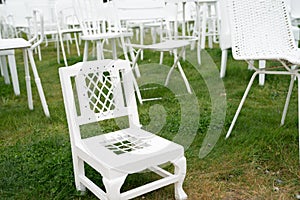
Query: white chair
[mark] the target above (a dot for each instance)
(28, 47)
(295, 12)
(19, 13)
(67, 24)
(99, 23)
(261, 30)
(146, 15)
(225, 43)
(100, 90)
(170, 42)
(7, 31)
(206, 24)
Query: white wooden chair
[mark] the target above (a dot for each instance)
(28, 47)
(99, 23)
(146, 15)
(261, 30)
(100, 90)
(170, 41)
(7, 31)
(67, 24)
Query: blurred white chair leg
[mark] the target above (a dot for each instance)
(14, 73)
(38, 83)
(223, 63)
(287, 101)
(262, 65)
(12, 67)
(4, 70)
(86, 51)
(77, 44)
(27, 79)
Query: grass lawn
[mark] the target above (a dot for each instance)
(258, 161)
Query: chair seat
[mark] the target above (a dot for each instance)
(101, 36)
(14, 43)
(72, 30)
(167, 45)
(132, 149)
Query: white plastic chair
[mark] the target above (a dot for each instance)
(99, 23)
(261, 30)
(28, 47)
(100, 90)
(67, 24)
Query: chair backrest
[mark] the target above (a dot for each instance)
(98, 90)
(37, 24)
(295, 9)
(261, 29)
(135, 10)
(65, 14)
(47, 8)
(19, 10)
(96, 17)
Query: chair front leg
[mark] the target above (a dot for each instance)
(113, 186)
(241, 103)
(287, 101)
(180, 170)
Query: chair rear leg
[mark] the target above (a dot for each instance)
(78, 165)
(14, 73)
(223, 63)
(4, 70)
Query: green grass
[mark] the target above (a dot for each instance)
(259, 156)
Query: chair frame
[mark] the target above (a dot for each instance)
(100, 151)
(28, 47)
(284, 50)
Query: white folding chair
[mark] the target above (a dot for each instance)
(261, 30)
(28, 47)
(95, 91)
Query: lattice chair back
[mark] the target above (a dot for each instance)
(104, 90)
(94, 16)
(262, 32)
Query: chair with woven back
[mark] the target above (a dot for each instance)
(262, 30)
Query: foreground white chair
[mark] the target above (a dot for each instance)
(28, 47)
(269, 21)
(101, 90)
